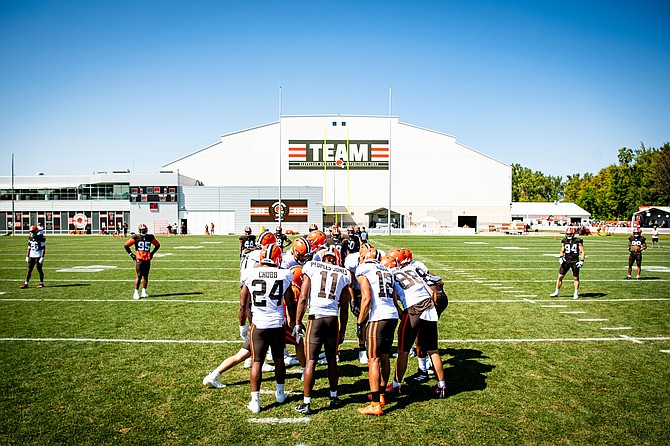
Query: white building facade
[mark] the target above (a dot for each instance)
(354, 168)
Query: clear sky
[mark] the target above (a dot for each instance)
(556, 86)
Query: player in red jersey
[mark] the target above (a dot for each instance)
(142, 257)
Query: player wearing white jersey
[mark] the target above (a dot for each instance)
(379, 305)
(263, 290)
(325, 289)
(351, 262)
(418, 322)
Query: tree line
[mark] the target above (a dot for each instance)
(641, 178)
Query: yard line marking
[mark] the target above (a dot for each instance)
(554, 306)
(616, 328)
(530, 301)
(279, 420)
(223, 341)
(527, 295)
(572, 312)
(592, 320)
(125, 300)
(132, 280)
(664, 351)
(630, 338)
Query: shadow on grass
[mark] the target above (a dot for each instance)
(592, 295)
(67, 285)
(177, 294)
(463, 372)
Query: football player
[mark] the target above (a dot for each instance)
(654, 237)
(325, 290)
(636, 244)
(418, 322)
(261, 296)
(379, 306)
(247, 241)
(142, 257)
(351, 263)
(282, 240)
(37, 248)
(571, 258)
(298, 255)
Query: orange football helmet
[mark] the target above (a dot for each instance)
(313, 227)
(389, 261)
(247, 230)
(331, 252)
(266, 238)
(271, 255)
(406, 257)
(317, 240)
(370, 255)
(142, 228)
(300, 249)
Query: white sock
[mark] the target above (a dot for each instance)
(215, 374)
(441, 384)
(333, 394)
(256, 396)
(395, 384)
(307, 399)
(280, 388)
(422, 364)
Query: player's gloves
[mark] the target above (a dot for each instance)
(579, 264)
(359, 330)
(27, 259)
(41, 260)
(299, 332)
(341, 340)
(561, 260)
(132, 256)
(244, 332)
(432, 280)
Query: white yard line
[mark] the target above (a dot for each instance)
(271, 420)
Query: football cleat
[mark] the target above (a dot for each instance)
(144, 294)
(281, 396)
(303, 408)
(412, 352)
(41, 285)
(440, 392)
(394, 391)
(627, 277)
(247, 363)
(254, 406)
(24, 286)
(323, 360)
(419, 377)
(212, 381)
(382, 399)
(554, 294)
(637, 278)
(136, 295)
(267, 367)
(363, 357)
(290, 361)
(372, 409)
(576, 296)
(335, 402)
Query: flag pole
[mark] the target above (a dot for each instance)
(280, 162)
(388, 218)
(13, 213)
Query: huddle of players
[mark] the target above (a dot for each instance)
(320, 278)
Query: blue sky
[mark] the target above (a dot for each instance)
(555, 86)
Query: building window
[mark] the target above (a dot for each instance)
(344, 124)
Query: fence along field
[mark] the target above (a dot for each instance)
(83, 363)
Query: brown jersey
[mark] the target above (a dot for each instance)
(142, 244)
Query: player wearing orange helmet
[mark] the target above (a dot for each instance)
(299, 253)
(269, 285)
(571, 258)
(636, 244)
(247, 241)
(325, 290)
(142, 257)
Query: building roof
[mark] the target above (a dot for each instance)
(649, 208)
(532, 209)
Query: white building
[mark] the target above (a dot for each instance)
(350, 170)
(549, 214)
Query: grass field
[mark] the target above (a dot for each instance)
(83, 363)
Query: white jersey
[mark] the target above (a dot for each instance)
(412, 289)
(288, 261)
(420, 268)
(381, 285)
(36, 246)
(351, 263)
(327, 282)
(266, 287)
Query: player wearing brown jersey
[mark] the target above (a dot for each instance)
(142, 256)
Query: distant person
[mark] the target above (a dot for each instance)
(654, 237)
(282, 240)
(247, 241)
(636, 244)
(364, 235)
(125, 229)
(35, 254)
(142, 257)
(169, 228)
(571, 258)
(183, 229)
(206, 229)
(211, 229)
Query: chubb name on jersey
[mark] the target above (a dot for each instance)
(267, 274)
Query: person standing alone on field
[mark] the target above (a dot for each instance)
(142, 257)
(636, 244)
(571, 257)
(35, 255)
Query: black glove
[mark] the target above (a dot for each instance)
(341, 340)
(132, 256)
(359, 330)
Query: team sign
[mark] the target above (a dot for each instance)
(356, 154)
(274, 211)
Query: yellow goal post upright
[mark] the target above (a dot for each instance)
(334, 211)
